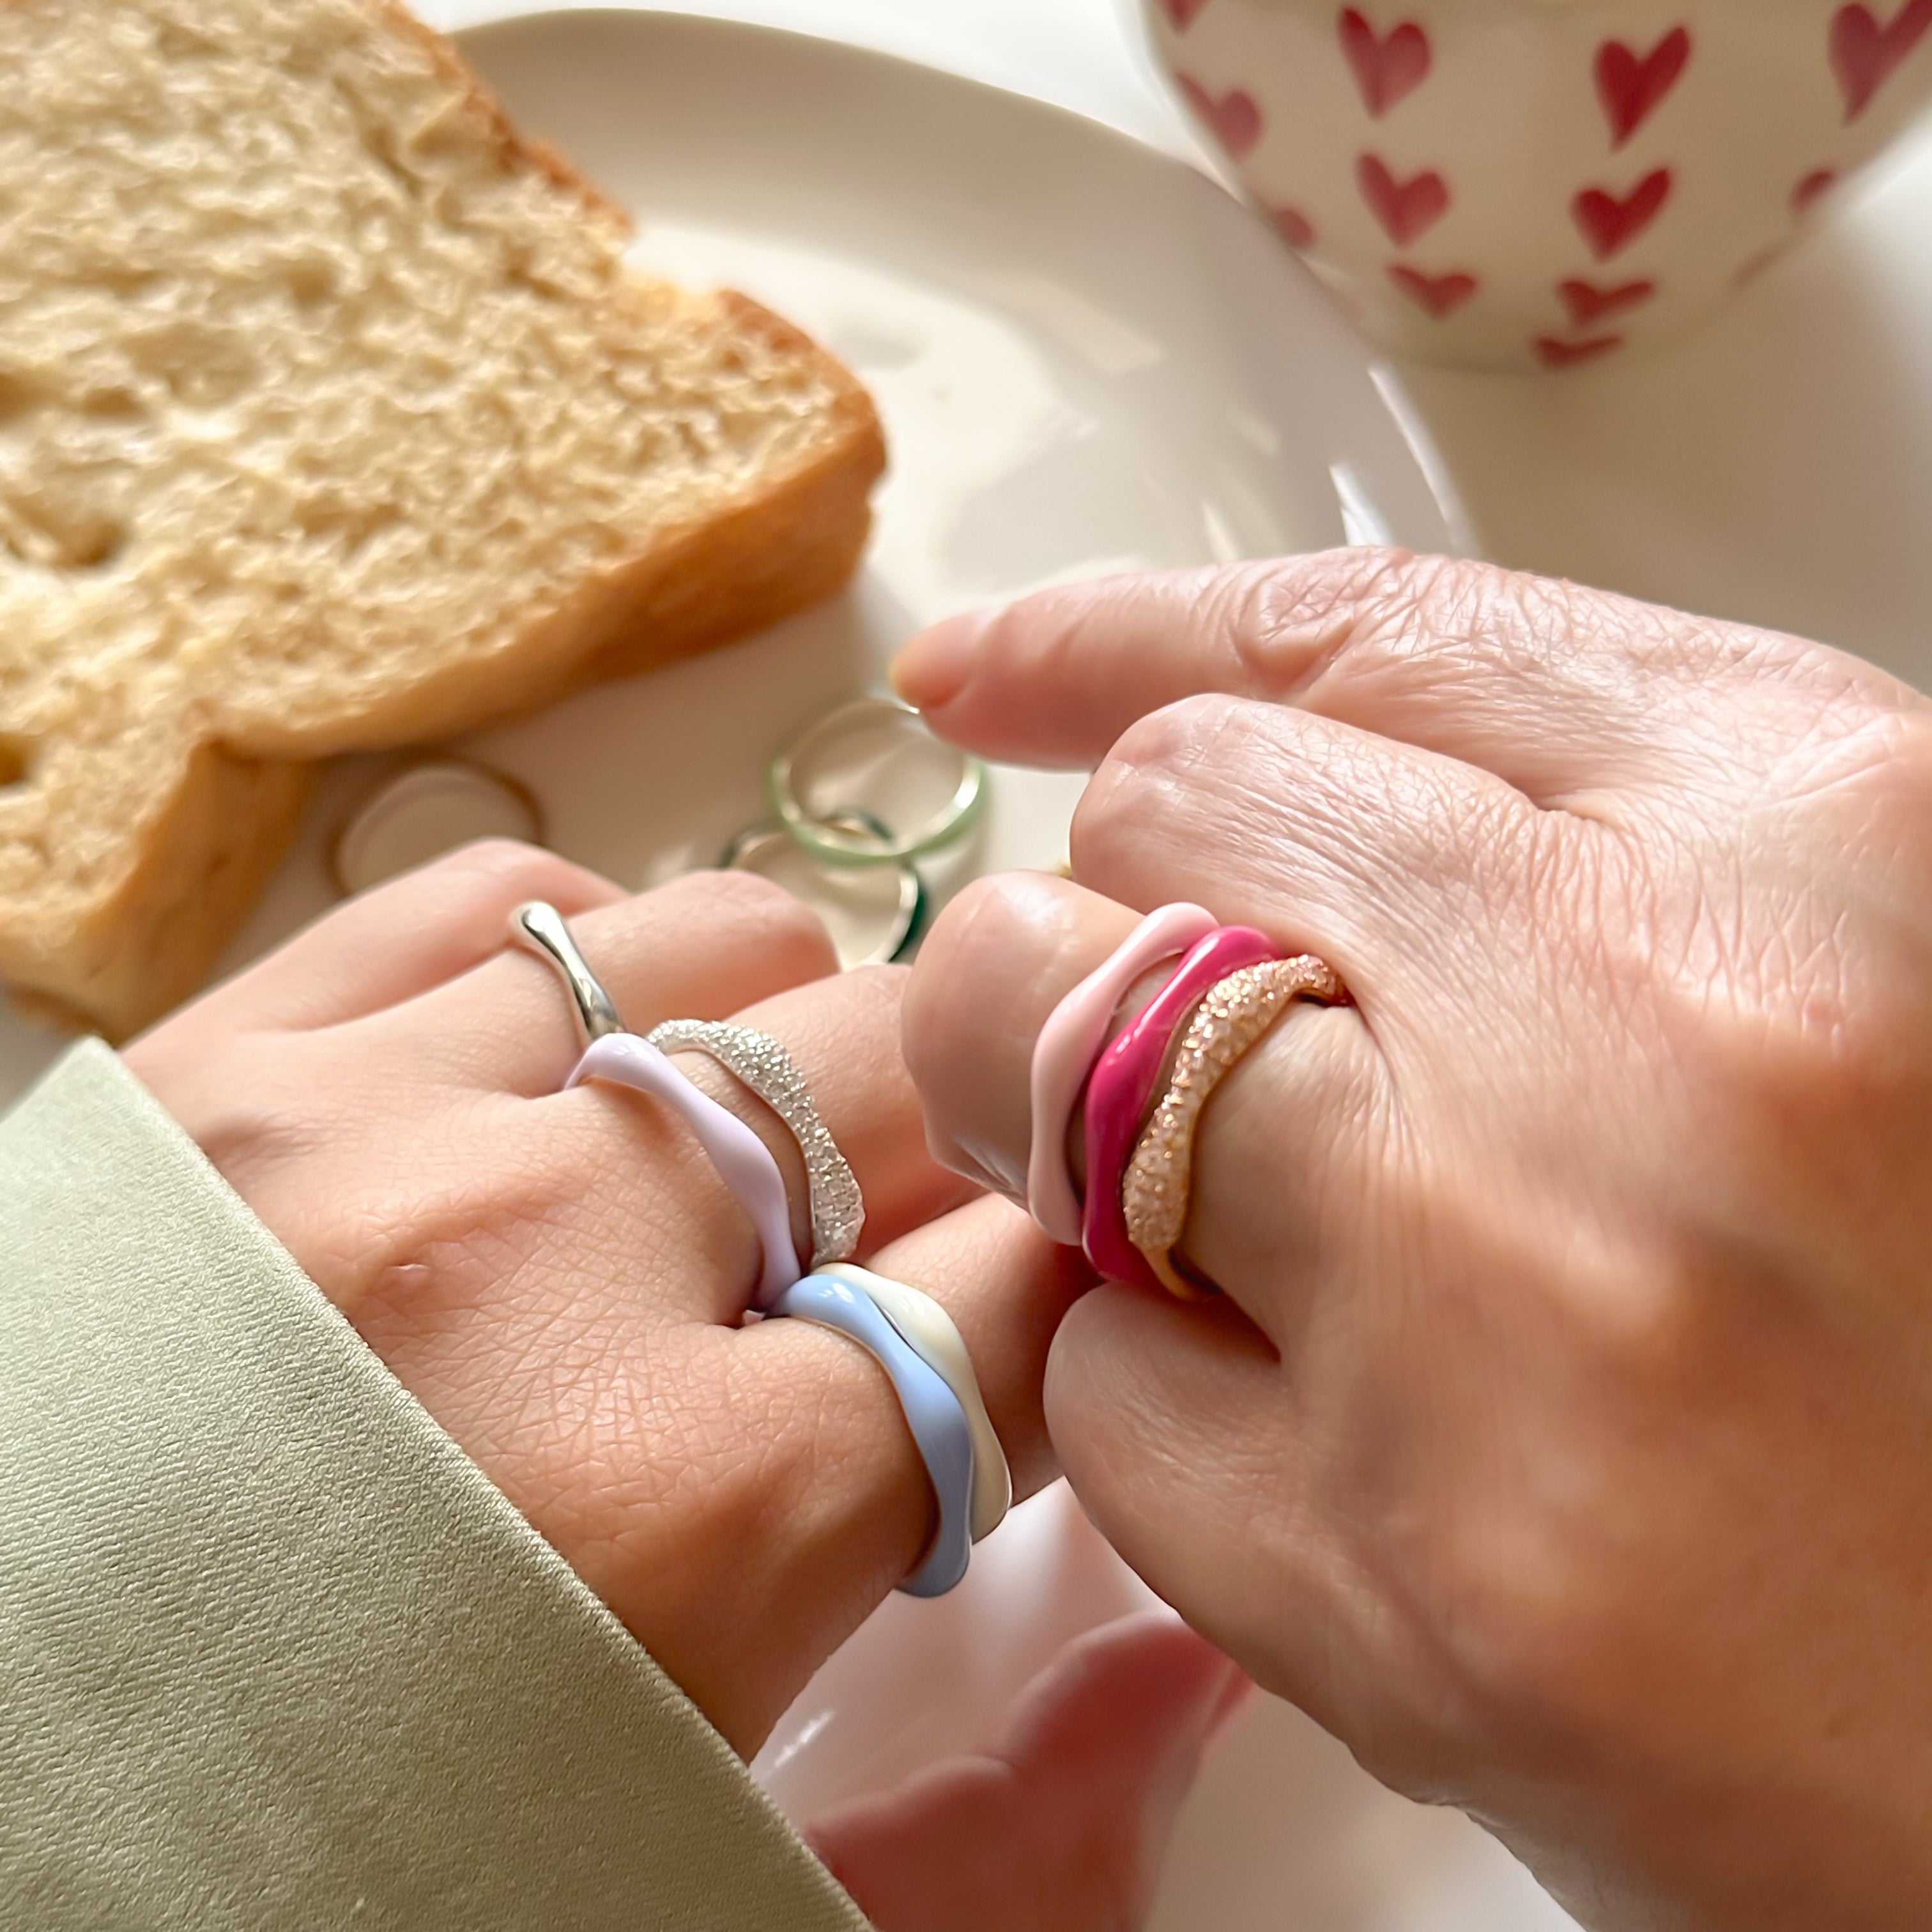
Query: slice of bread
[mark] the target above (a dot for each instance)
(330, 419)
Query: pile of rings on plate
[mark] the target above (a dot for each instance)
(860, 796)
(1143, 1087)
(829, 787)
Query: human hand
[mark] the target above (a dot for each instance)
(557, 1277)
(1060, 1827)
(1564, 1441)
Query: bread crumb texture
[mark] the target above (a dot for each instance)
(331, 417)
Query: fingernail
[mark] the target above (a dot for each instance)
(932, 670)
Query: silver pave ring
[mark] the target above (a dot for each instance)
(762, 1064)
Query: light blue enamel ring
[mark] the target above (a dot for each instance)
(934, 1414)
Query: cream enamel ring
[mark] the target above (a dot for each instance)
(932, 1334)
(761, 1064)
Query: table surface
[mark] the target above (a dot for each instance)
(1776, 467)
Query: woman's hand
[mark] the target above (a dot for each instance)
(558, 1278)
(1564, 1442)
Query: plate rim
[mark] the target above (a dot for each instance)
(1399, 405)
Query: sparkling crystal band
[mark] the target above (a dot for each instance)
(762, 1063)
(1230, 1019)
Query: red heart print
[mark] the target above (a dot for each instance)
(1388, 68)
(1588, 303)
(1440, 295)
(1863, 54)
(1407, 208)
(1182, 12)
(1818, 181)
(1293, 226)
(1630, 86)
(1609, 224)
(1554, 353)
(1234, 118)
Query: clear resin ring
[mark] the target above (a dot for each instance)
(424, 810)
(874, 757)
(927, 1328)
(875, 913)
(761, 1063)
(933, 1412)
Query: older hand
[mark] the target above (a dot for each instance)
(1564, 1442)
(558, 1278)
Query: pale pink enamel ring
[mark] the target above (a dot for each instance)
(1071, 1041)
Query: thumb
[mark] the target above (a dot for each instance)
(1062, 1827)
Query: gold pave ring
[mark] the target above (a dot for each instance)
(1155, 1190)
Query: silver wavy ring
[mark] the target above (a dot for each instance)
(762, 1064)
(539, 927)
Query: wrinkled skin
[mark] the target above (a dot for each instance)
(1564, 1440)
(558, 1278)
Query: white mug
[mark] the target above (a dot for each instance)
(1507, 183)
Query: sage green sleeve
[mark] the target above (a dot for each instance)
(273, 1652)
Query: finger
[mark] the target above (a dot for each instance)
(651, 1236)
(1396, 866)
(700, 947)
(1176, 1426)
(1312, 1102)
(1062, 1825)
(845, 1508)
(1562, 692)
(405, 936)
(998, 960)
(1198, 1452)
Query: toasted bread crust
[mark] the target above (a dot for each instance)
(115, 927)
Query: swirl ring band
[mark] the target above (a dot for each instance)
(762, 1064)
(613, 1053)
(1158, 1184)
(932, 1334)
(933, 1411)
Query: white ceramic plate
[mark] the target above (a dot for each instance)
(1088, 358)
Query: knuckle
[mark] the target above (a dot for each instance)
(788, 930)
(496, 868)
(1181, 736)
(970, 947)
(1289, 623)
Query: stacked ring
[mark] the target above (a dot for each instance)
(927, 1329)
(934, 1413)
(1156, 1189)
(744, 1162)
(822, 827)
(1126, 1081)
(901, 1326)
(1070, 1041)
(761, 1063)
